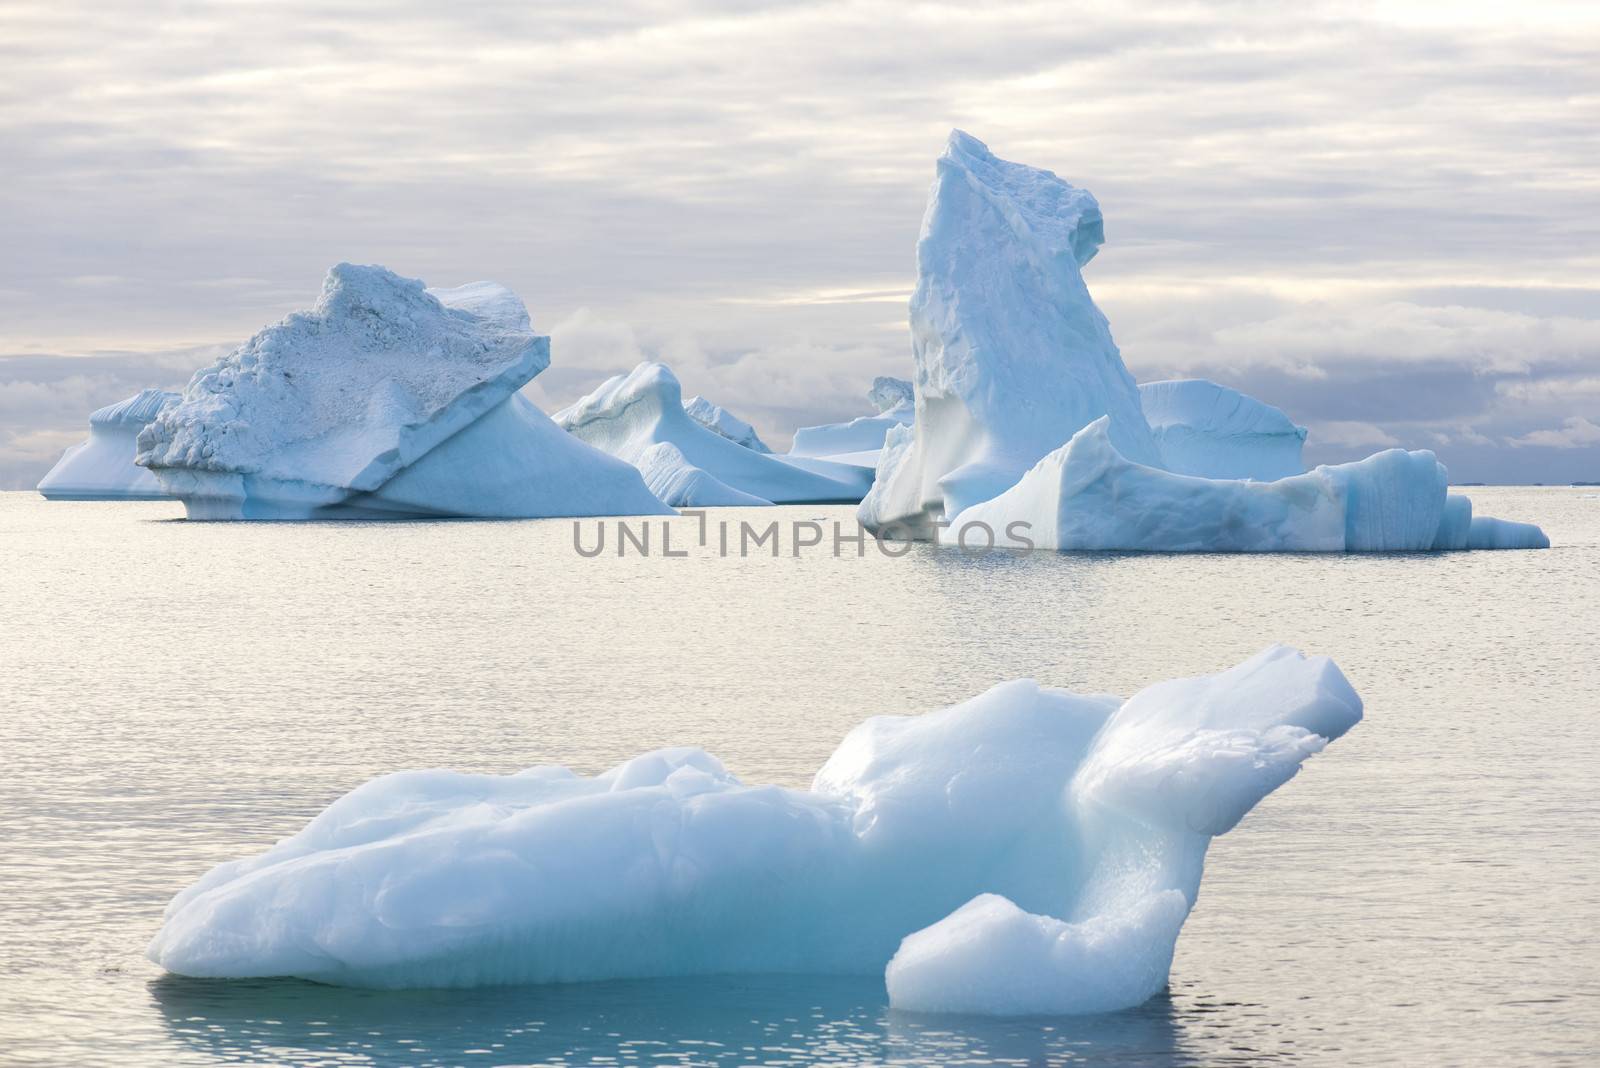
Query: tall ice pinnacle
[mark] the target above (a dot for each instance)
(1012, 356)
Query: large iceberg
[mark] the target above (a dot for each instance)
(385, 399)
(1012, 356)
(1089, 816)
(719, 420)
(101, 467)
(1029, 427)
(1211, 431)
(632, 416)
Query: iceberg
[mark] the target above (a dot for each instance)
(1012, 355)
(386, 399)
(719, 420)
(629, 416)
(859, 441)
(101, 467)
(1029, 429)
(1087, 496)
(894, 397)
(1212, 431)
(1027, 833)
(671, 477)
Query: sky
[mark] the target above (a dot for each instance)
(1383, 218)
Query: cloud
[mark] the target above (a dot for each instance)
(1365, 435)
(1351, 206)
(1575, 433)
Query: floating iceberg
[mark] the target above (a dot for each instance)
(859, 441)
(101, 467)
(894, 397)
(1088, 496)
(1212, 431)
(719, 420)
(1012, 355)
(1090, 813)
(630, 415)
(1027, 420)
(385, 399)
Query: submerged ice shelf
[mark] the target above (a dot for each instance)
(1087, 817)
(1025, 413)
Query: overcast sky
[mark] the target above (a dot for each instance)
(1383, 218)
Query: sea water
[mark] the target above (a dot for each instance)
(176, 694)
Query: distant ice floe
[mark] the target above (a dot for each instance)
(631, 416)
(1029, 850)
(385, 399)
(101, 467)
(1025, 414)
(859, 441)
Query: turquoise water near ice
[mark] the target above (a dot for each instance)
(175, 694)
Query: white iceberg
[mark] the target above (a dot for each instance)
(630, 415)
(1029, 428)
(719, 420)
(101, 467)
(1012, 355)
(1087, 496)
(1212, 431)
(859, 441)
(385, 399)
(1090, 810)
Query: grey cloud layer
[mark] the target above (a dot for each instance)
(1341, 208)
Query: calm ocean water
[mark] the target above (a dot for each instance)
(176, 694)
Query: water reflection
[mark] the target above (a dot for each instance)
(768, 1020)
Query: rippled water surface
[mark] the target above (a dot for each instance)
(176, 694)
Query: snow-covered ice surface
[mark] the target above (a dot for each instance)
(719, 420)
(1212, 431)
(858, 441)
(1025, 413)
(386, 398)
(101, 467)
(630, 415)
(1091, 812)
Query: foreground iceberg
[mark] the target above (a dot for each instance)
(1091, 813)
(385, 399)
(719, 420)
(632, 416)
(859, 441)
(101, 467)
(1212, 431)
(1028, 426)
